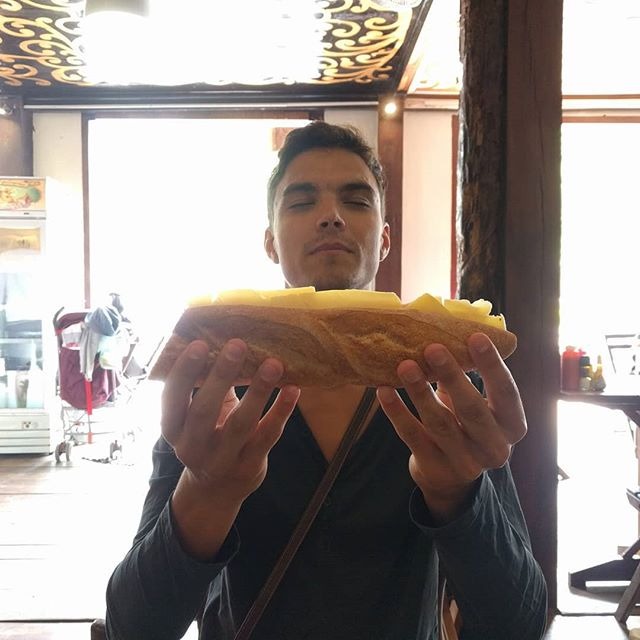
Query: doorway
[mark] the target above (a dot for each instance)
(599, 254)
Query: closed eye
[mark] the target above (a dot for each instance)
(301, 205)
(358, 203)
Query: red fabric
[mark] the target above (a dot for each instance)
(76, 390)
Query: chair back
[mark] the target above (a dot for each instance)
(624, 352)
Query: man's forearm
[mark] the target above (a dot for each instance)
(201, 517)
(158, 589)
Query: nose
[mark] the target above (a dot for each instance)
(331, 217)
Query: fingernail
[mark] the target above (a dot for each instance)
(269, 372)
(479, 342)
(412, 375)
(436, 357)
(234, 351)
(197, 351)
(290, 392)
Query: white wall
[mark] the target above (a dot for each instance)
(426, 200)
(365, 120)
(57, 154)
(426, 195)
(426, 215)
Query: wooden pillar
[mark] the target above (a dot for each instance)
(532, 257)
(390, 150)
(481, 156)
(16, 139)
(509, 220)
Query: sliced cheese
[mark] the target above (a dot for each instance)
(309, 298)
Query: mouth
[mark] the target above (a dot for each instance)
(331, 247)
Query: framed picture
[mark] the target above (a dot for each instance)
(22, 194)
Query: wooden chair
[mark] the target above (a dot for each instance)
(624, 350)
(98, 630)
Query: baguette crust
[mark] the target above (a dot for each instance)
(327, 347)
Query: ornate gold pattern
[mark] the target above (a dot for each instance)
(360, 50)
(45, 42)
(37, 42)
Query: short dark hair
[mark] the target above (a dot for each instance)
(322, 135)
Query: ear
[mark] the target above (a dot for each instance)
(269, 246)
(385, 241)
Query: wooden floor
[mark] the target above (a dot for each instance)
(561, 628)
(63, 528)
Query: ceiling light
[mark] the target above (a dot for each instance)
(133, 7)
(282, 42)
(390, 108)
(398, 5)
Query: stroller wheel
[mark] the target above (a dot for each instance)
(114, 448)
(60, 448)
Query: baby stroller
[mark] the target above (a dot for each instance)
(97, 370)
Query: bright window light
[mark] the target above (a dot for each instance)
(178, 210)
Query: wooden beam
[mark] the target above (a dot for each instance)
(481, 158)
(532, 257)
(16, 139)
(390, 151)
(509, 221)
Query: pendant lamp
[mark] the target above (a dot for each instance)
(133, 7)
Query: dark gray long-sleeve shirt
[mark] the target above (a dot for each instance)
(367, 570)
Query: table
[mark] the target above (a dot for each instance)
(623, 394)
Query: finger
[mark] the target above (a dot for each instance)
(207, 404)
(444, 397)
(468, 405)
(273, 422)
(246, 415)
(176, 394)
(487, 436)
(502, 392)
(409, 429)
(436, 416)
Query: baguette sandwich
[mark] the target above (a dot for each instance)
(332, 338)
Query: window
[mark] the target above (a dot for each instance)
(177, 210)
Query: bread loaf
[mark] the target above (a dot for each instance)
(327, 347)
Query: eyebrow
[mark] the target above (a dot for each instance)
(299, 187)
(359, 185)
(309, 187)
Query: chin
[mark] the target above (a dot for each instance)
(337, 282)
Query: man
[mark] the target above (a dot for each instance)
(426, 487)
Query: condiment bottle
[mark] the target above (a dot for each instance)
(584, 382)
(597, 377)
(570, 368)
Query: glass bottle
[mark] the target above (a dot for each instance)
(597, 377)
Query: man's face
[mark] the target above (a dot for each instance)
(327, 227)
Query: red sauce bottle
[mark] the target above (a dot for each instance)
(571, 368)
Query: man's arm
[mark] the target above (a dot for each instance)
(212, 456)
(157, 589)
(459, 440)
(485, 555)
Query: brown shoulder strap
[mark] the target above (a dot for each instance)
(278, 571)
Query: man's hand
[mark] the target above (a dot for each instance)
(459, 434)
(222, 441)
